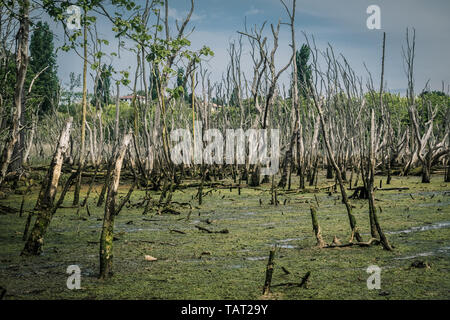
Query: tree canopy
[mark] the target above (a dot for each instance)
(43, 65)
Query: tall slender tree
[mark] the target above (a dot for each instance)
(21, 71)
(303, 69)
(43, 57)
(103, 87)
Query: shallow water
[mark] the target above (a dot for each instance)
(284, 246)
(291, 239)
(256, 258)
(407, 194)
(444, 250)
(137, 229)
(439, 225)
(434, 204)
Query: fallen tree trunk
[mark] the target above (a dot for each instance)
(350, 244)
(210, 231)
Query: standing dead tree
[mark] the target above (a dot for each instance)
(76, 195)
(294, 97)
(21, 71)
(269, 272)
(163, 82)
(45, 204)
(447, 167)
(319, 103)
(368, 173)
(269, 60)
(106, 238)
(426, 148)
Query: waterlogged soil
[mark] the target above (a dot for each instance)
(193, 264)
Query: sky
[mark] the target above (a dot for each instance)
(340, 23)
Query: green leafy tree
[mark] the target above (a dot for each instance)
(103, 87)
(303, 69)
(437, 99)
(43, 61)
(234, 98)
(181, 83)
(154, 80)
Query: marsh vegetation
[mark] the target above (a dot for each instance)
(88, 177)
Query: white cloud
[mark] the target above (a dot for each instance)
(253, 11)
(181, 15)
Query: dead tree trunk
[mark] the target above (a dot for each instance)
(19, 148)
(21, 71)
(288, 157)
(370, 174)
(269, 273)
(30, 139)
(316, 227)
(352, 220)
(447, 169)
(422, 140)
(447, 173)
(106, 239)
(116, 122)
(76, 195)
(45, 202)
(426, 167)
(329, 171)
(101, 197)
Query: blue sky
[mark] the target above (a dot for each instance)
(340, 23)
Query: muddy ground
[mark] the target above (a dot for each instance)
(195, 264)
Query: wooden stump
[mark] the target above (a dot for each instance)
(316, 227)
(269, 272)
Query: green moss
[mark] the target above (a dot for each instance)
(416, 171)
(21, 190)
(200, 265)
